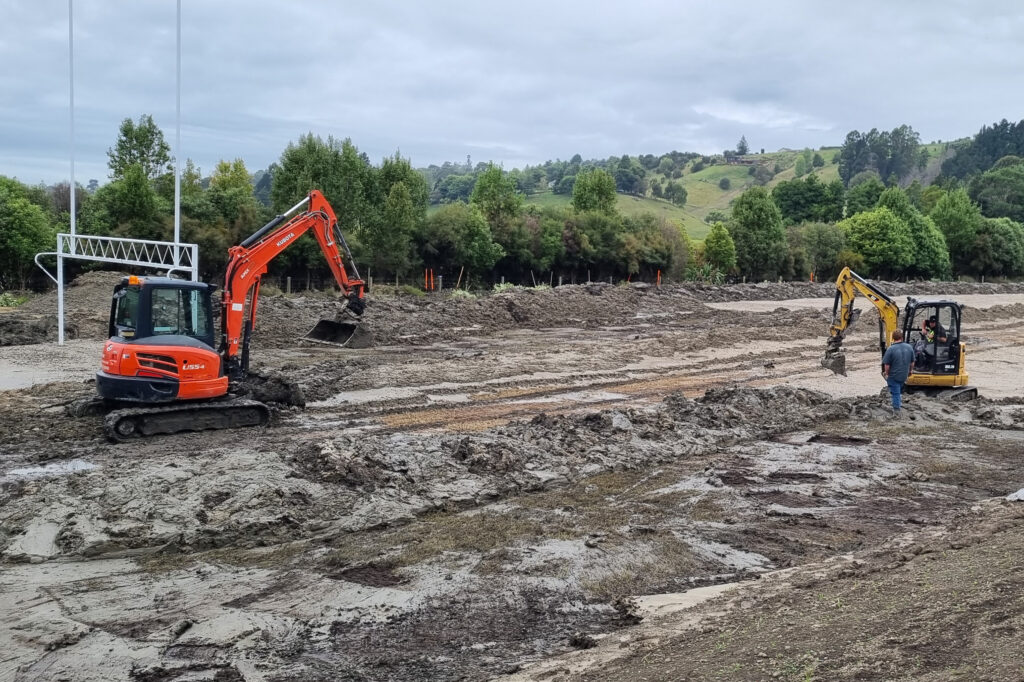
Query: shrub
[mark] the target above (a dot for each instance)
(9, 300)
(724, 183)
(410, 290)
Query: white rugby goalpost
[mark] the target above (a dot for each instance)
(157, 255)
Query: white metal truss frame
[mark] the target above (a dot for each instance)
(142, 253)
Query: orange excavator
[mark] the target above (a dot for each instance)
(160, 369)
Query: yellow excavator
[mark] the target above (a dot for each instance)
(932, 326)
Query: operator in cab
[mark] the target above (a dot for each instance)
(931, 333)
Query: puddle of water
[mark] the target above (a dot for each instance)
(56, 469)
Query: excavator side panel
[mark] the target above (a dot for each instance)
(157, 373)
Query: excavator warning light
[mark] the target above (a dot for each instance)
(134, 281)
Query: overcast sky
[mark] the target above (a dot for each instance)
(512, 82)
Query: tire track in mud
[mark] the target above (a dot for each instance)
(789, 362)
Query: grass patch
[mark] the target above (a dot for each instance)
(669, 559)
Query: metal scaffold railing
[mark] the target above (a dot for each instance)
(142, 253)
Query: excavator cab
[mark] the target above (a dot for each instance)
(160, 345)
(162, 307)
(932, 327)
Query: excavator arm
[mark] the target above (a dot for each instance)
(848, 285)
(248, 263)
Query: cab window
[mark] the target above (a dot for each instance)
(180, 311)
(126, 316)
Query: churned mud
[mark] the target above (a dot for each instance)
(590, 482)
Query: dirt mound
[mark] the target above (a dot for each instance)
(779, 291)
(86, 312)
(416, 321)
(996, 312)
(298, 484)
(19, 328)
(272, 387)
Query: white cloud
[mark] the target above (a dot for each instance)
(764, 114)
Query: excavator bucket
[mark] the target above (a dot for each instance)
(336, 333)
(835, 356)
(835, 362)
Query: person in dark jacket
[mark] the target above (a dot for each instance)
(896, 364)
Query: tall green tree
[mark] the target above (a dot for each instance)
(864, 196)
(882, 240)
(457, 235)
(756, 228)
(139, 144)
(389, 238)
(344, 175)
(893, 153)
(958, 218)
(497, 198)
(1000, 192)
(134, 206)
(230, 175)
(191, 179)
(231, 194)
(719, 248)
(742, 147)
(25, 231)
(931, 257)
(822, 243)
(397, 199)
(998, 249)
(594, 190)
(336, 168)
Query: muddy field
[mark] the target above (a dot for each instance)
(590, 482)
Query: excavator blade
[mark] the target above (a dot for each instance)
(344, 334)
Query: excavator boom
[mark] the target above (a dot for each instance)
(848, 285)
(249, 262)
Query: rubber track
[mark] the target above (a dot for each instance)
(151, 421)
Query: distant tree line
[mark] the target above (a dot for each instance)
(985, 149)
(485, 228)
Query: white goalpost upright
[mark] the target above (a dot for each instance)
(174, 257)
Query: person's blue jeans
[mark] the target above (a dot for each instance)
(896, 391)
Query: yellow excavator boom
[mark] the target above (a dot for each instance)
(848, 285)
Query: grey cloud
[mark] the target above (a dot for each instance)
(514, 83)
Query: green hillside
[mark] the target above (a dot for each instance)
(704, 192)
(631, 206)
(705, 195)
